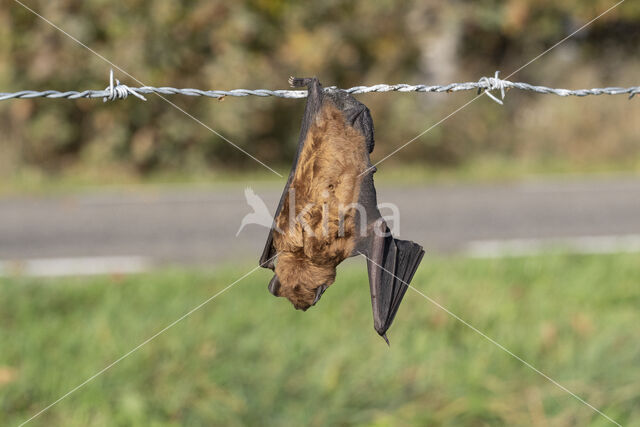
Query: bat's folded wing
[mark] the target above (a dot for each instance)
(391, 265)
(268, 253)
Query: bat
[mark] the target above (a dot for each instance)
(328, 211)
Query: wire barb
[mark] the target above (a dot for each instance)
(492, 83)
(119, 91)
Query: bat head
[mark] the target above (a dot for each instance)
(299, 280)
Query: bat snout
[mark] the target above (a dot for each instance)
(302, 297)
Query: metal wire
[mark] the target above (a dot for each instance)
(117, 90)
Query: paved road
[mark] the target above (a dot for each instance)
(199, 225)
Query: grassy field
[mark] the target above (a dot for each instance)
(247, 358)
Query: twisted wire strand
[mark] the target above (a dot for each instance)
(117, 90)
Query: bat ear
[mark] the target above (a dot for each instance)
(274, 285)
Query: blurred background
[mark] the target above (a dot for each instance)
(258, 44)
(117, 218)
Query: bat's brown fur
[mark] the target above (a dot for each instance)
(326, 186)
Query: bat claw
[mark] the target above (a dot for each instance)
(386, 339)
(319, 291)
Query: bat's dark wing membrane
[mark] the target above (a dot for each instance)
(391, 265)
(392, 262)
(269, 251)
(356, 114)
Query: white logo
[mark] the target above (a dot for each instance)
(260, 215)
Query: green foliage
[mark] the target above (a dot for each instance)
(248, 358)
(258, 44)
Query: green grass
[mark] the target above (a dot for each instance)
(247, 358)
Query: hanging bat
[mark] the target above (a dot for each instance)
(328, 211)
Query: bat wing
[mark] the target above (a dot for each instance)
(391, 264)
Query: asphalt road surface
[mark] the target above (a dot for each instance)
(198, 226)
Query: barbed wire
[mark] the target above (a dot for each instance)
(117, 90)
